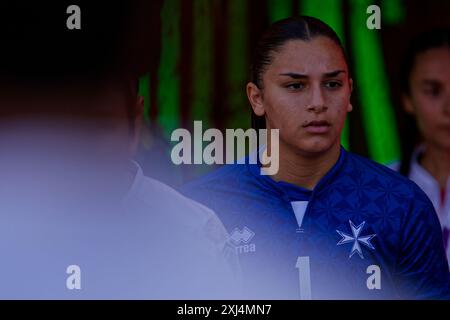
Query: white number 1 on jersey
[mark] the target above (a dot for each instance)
(304, 277)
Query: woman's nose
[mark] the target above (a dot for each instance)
(317, 104)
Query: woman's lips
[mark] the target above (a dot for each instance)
(317, 126)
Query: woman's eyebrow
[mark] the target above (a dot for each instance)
(431, 82)
(334, 73)
(295, 75)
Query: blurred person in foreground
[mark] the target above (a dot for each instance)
(78, 219)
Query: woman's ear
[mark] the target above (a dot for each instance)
(407, 103)
(255, 97)
(350, 106)
(137, 123)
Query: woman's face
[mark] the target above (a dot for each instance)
(429, 100)
(306, 94)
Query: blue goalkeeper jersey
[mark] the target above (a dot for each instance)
(364, 232)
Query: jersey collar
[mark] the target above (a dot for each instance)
(290, 192)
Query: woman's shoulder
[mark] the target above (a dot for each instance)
(381, 182)
(384, 175)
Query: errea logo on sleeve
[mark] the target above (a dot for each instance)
(241, 239)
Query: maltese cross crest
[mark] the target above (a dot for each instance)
(356, 238)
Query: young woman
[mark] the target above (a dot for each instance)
(328, 224)
(426, 114)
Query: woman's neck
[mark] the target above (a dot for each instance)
(305, 170)
(437, 162)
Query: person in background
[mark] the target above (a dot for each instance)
(425, 83)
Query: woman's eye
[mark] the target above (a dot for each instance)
(295, 86)
(433, 91)
(333, 84)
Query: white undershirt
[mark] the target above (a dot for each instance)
(299, 208)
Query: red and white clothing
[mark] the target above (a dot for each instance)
(440, 197)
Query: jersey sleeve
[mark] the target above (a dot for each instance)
(422, 270)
